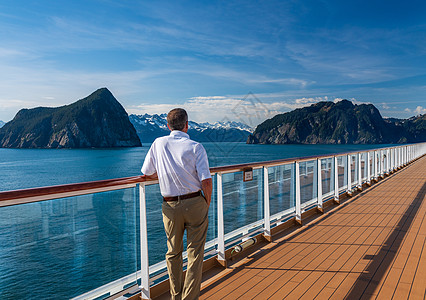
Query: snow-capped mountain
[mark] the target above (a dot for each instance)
(1, 123)
(149, 127)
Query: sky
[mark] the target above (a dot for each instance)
(220, 60)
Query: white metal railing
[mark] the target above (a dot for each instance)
(384, 165)
(375, 163)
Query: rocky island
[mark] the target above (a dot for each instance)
(97, 121)
(338, 123)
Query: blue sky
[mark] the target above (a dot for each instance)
(218, 59)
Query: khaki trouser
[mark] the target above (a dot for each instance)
(192, 215)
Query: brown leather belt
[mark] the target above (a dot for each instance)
(182, 197)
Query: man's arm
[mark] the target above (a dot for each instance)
(207, 186)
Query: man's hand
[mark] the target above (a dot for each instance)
(207, 186)
(150, 177)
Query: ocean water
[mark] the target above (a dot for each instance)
(62, 248)
(28, 168)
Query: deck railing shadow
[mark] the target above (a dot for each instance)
(380, 263)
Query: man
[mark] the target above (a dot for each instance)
(182, 169)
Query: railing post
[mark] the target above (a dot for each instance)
(358, 159)
(408, 155)
(368, 169)
(399, 157)
(388, 169)
(267, 216)
(297, 192)
(393, 159)
(349, 174)
(336, 180)
(319, 186)
(145, 292)
(375, 165)
(220, 224)
(396, 158)
(405, 155)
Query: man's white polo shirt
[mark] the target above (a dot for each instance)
(180, 163)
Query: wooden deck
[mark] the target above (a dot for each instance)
(371, 246)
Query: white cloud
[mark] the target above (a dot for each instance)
(407, 110)
(311, 100)
(353, 100)
(385, 106)
(11, 53)
(420, 110)
(287, 81)
(250, 109)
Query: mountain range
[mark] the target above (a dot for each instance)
(149, 127)
(97, 121)
(338, 123)
(100, 121)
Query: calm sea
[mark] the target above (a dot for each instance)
(62, 248)
(26, 168)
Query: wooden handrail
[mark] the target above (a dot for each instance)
(68, 188)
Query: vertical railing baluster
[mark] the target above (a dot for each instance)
(376, 175)
(368, 169)
(319, 186)
(358, 159)
(267, 213)
(405, 155)
(349, 174)
(314, 180)
(399, 157)
(395, 151)
(396, 158)
(408, 154)
(297, 192)
(336, 180)
(220, 223)
(393, 159)
(388, 169)
(145, 292)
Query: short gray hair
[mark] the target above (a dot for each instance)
(177, 118)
